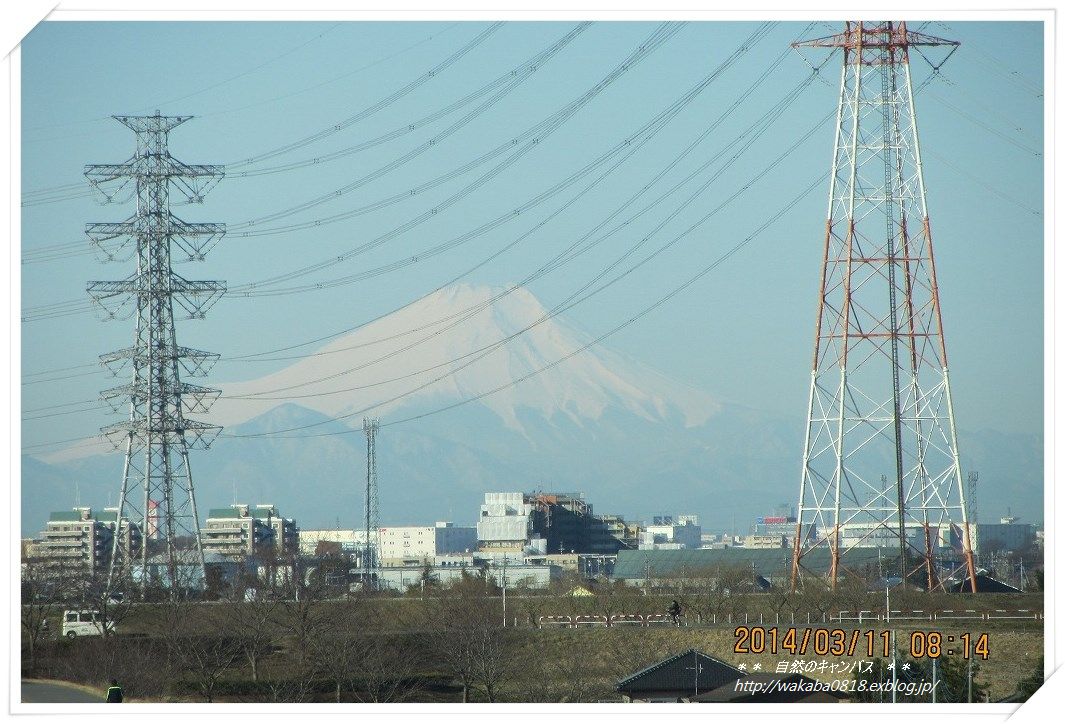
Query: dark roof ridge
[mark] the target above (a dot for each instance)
(671, 659)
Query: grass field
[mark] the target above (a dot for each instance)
(535, 664)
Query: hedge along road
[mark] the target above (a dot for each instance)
(55, 692)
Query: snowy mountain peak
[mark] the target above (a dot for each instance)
(467, 341)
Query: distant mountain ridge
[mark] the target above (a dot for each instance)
(635, 441)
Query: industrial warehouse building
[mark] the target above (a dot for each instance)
(773, 564)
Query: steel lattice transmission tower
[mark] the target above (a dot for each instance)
(157, 491)
(371, 558)
(880, 399)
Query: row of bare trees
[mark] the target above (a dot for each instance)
(301, 643)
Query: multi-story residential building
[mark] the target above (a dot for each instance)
(416, 545)
(244, 531)
(82, 540)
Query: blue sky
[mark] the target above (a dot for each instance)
(743, 332)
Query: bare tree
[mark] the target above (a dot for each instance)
(467, 639)
(252, 620)
(198, 643)
(376, 666)
(42, 601)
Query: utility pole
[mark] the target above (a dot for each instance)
(974, 520)
(935, 678)
(879, 381)
(969, 676)
(371, 558)
(894, 669)
(504, 590)
(157, 436)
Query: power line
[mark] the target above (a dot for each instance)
(765, 74)
(644, 312)
(272, 99)
(246, 73)
(760, 127)
(371, 110)
(198, 92)
(573, 299)
(743, 48)
(542, 129)
(510, 80)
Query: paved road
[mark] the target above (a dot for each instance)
(39, 693)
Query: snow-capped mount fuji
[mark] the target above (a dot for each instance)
(596, 422)
(635, 441)
(460, 343)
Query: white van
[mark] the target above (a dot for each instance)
(84, 623)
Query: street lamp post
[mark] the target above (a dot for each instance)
(504, 590)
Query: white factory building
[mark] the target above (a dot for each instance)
(349, 540)
(413, 545)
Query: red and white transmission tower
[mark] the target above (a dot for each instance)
(880, 462)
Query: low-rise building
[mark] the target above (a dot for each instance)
(883, 535)
(350, 541)
(1006, 535)
(402, 578)
(765, 541)
(667, 533)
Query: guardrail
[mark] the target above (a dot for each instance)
(859, 617)
(618, 619)
(944, 615)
